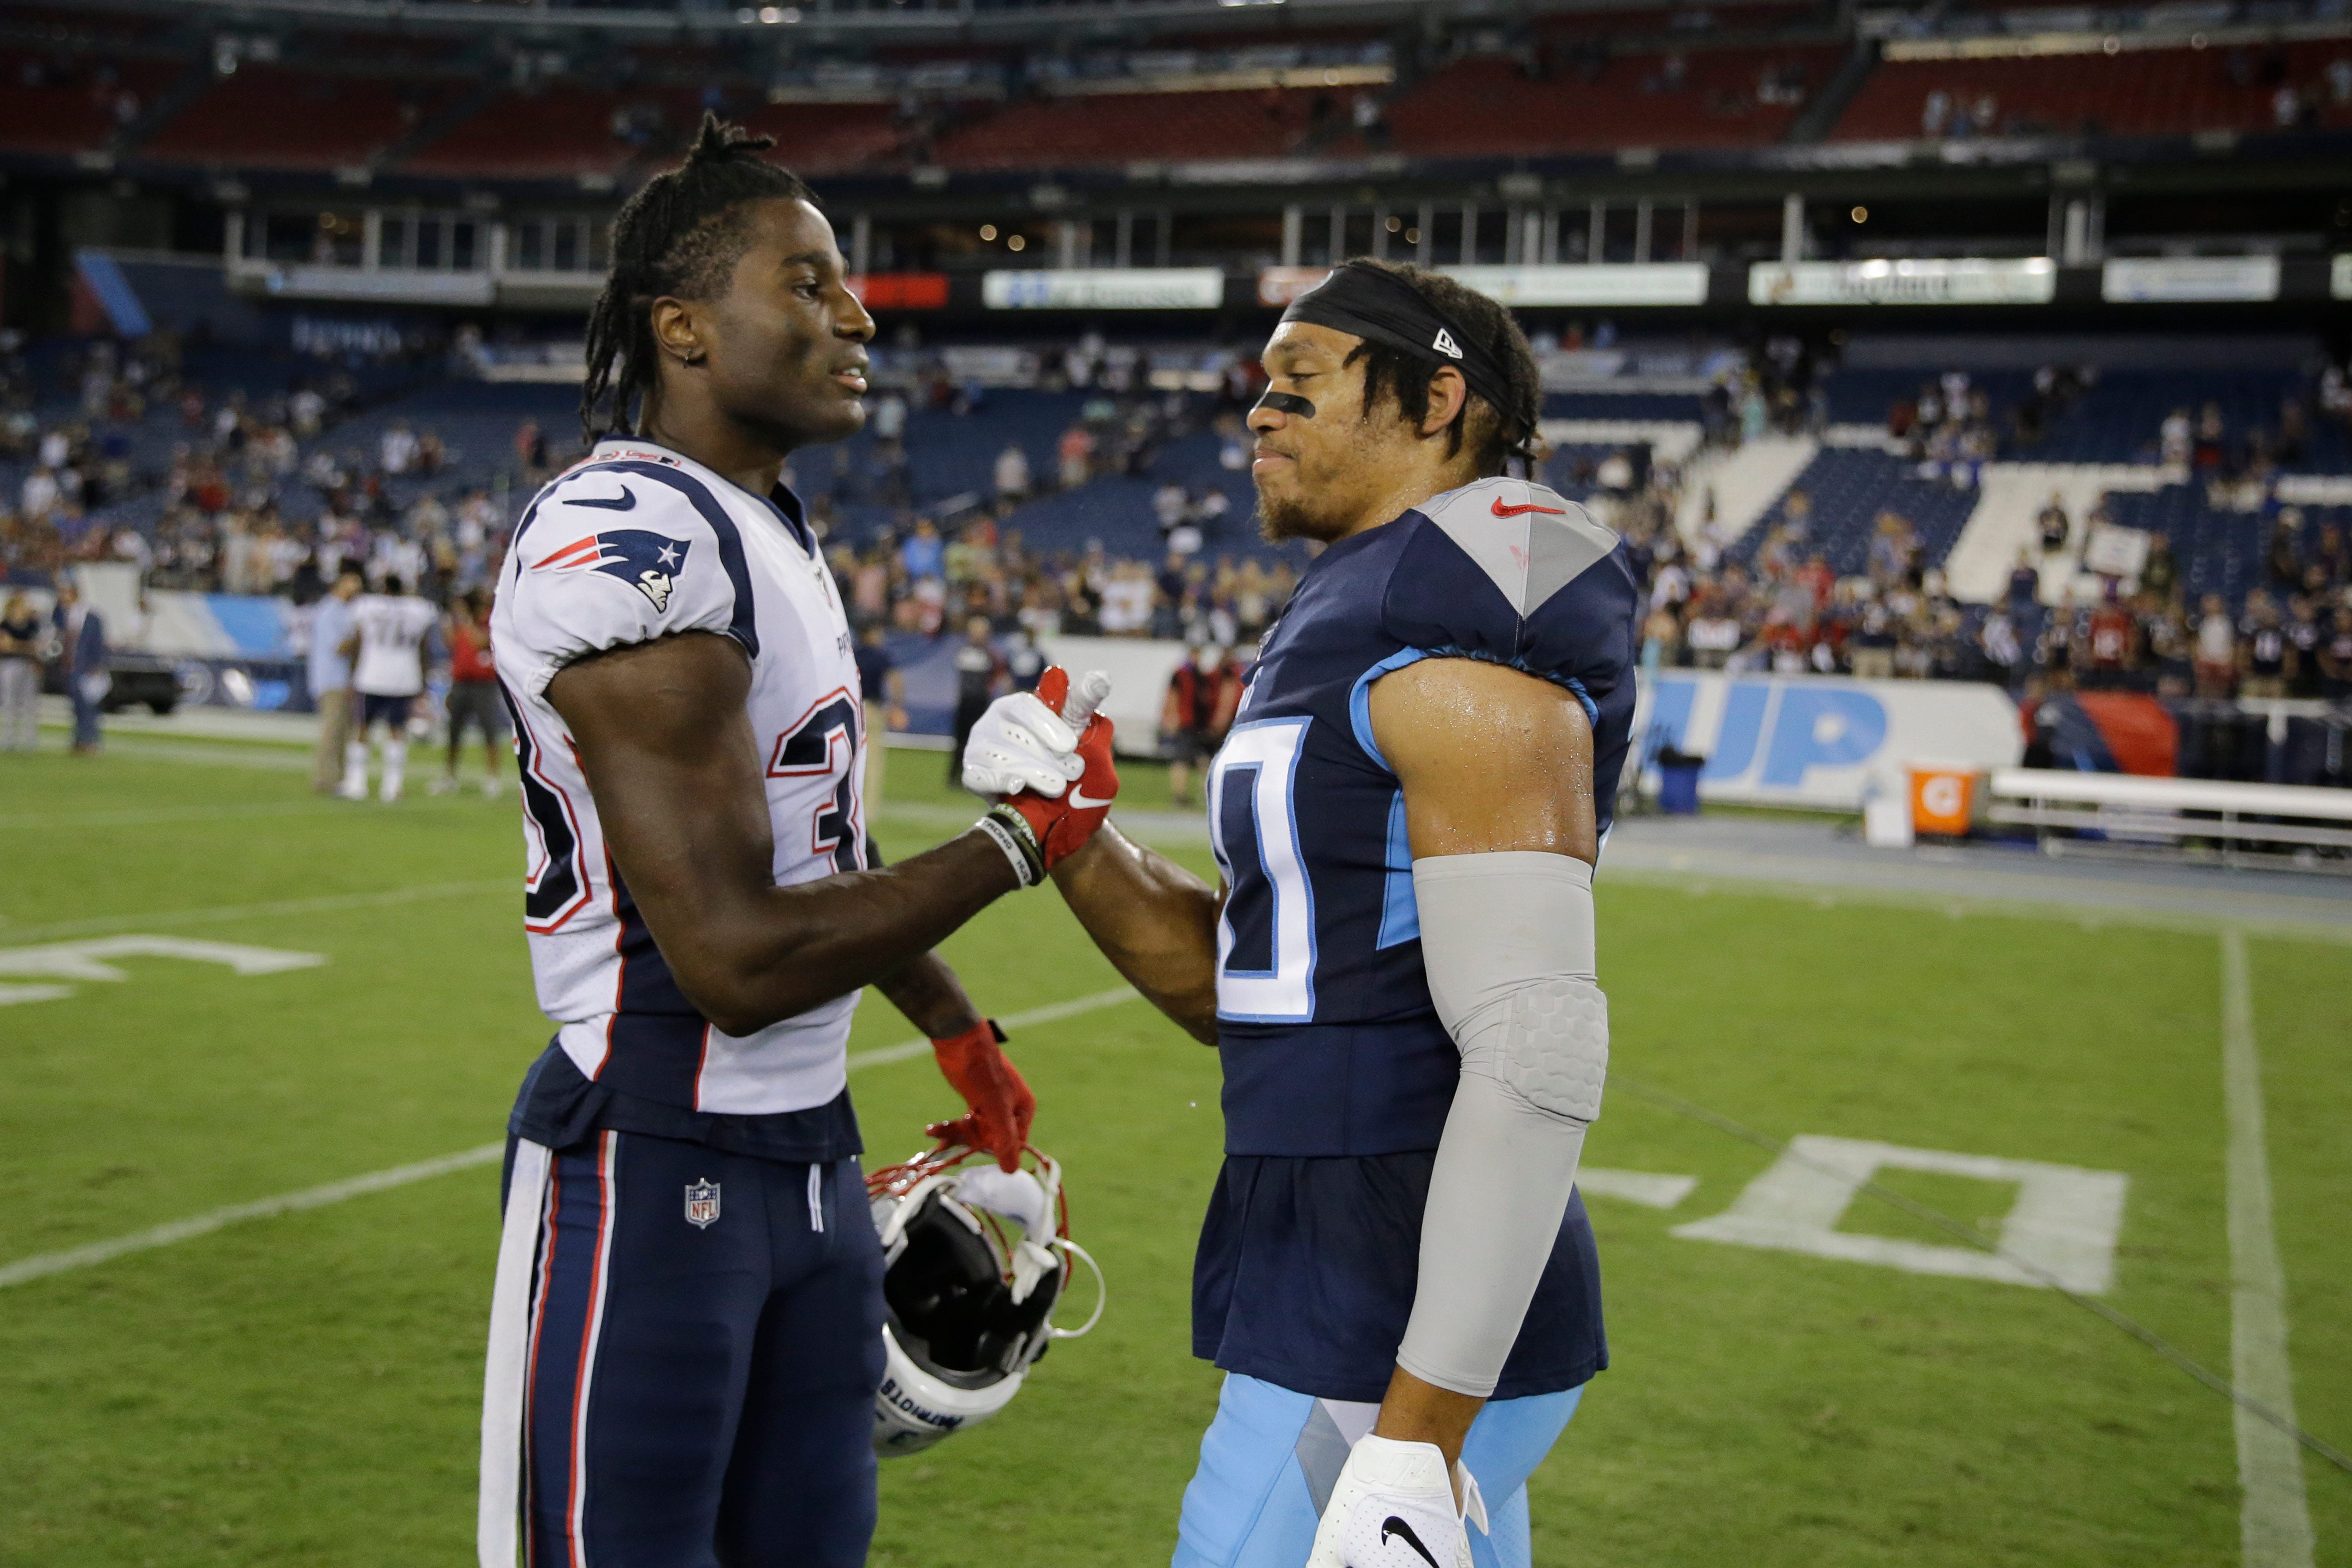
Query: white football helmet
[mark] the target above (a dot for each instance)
(974, 1261)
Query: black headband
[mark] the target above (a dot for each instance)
(1381, 307)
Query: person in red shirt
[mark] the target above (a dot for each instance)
(1202, 696)
(2112, 635)
(474, 696)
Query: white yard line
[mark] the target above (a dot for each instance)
(2274, 1519)
(222, 913)
(150, 816)
(42, 1265)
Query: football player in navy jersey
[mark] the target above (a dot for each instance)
(686, 1334)
(1398, 968)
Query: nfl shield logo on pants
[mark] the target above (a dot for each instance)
(701, 1203)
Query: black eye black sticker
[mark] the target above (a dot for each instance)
(1285, 403)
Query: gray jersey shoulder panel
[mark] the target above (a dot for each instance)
(1530, 540)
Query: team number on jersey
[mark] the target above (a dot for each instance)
(1265, 935)
(823, 745)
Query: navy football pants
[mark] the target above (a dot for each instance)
(684, 1350)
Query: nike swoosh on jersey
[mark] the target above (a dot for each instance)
(1502, 510)
(621, 502)
(1392, 1525)
(1081, 801)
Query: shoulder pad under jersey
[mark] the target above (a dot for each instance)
(619, 553)
(1510, 571)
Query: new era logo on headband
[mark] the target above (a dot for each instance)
(1447, 345)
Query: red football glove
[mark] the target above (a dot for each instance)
(1063, 823)
(1001, 1105)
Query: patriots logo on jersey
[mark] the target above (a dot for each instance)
(647, 561)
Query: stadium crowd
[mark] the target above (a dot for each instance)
(258, 495)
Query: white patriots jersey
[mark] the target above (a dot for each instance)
(391, 660)
(638, 543)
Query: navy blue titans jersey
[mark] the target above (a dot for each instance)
(1339, 1074)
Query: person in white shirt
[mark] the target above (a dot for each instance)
(389, 631)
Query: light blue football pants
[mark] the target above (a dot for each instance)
(1271, 1458)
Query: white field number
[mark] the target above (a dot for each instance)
(88, 961)
(2064, 1222)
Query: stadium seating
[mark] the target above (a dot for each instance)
(2145, 92)
(2117, 420)
(1125, 127)
(829, 138)
(284, 117)
(1848, 490)
(553, 131)
(2219, 552)
(49, 105)
(1490, 107)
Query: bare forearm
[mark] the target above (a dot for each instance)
(928, 992)
(1417, 1412)
(1156, 922)
(749, 960)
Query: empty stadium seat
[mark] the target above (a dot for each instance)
(2142, 92)
(1126, 128)
(1493, 107)
(285, 117)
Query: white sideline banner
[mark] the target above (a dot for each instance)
(1818, 740)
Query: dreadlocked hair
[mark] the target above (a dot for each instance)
(679, 235)
(1497, 434)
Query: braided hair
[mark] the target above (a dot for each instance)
(1499, 434)
(679, 235)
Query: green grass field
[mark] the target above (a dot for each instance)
(304, 1389)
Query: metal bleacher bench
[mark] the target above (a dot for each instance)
(2085, 812)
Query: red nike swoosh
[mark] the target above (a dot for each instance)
(1502, 510)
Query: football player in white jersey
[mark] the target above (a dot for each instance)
(390, 626)
(687, 1329)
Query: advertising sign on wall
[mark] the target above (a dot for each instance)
(1106, 289)
(2181, 280)
(1931, 280)
(1598, 283)
(1818, 740)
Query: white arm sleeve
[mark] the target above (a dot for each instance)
(1507, 940)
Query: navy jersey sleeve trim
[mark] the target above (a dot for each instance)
(742, 627)
(1359, 701)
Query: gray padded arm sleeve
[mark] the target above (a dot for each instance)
(1507, 941)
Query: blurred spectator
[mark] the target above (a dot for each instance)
(923, 555)
(474, 699)
(20, 675)
(1202, 696)
(334, 638)
(2265, 657)
(980, 674)
(2217, 649)
(1012, 474)
(2335, 658)
(1077, 449)
(82, 659)
(2055, 524)
(885, 707)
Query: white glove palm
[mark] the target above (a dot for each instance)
(1392, 1508)
(1020, 743)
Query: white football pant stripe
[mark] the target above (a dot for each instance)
(502, 1386)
